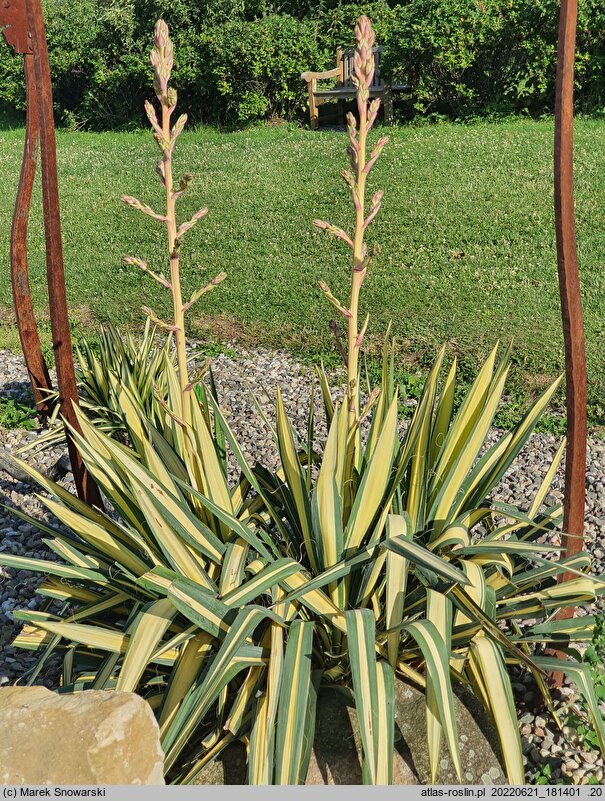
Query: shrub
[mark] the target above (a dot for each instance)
(361, 559)
(240, 60)
(464, 56)
(337, 23)
(234, 69)
(437, 45)
(252, 69)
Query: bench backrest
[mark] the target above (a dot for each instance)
(347, 56)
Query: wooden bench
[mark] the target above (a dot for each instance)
(345, 89)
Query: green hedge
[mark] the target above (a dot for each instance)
(479, 56)
(251, 70)
(230, 71)
(238, 63)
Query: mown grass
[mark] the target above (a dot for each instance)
(467, 236)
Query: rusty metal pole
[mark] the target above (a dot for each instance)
(66, 379)
(13, 18)
(571, 300)
(569, 287)
(22, 25)
(24, 311)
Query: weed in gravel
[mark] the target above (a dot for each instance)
(16, 415)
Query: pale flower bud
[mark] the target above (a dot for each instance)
(171, 98)
(162, 59)
(160, 34)
(364, 58)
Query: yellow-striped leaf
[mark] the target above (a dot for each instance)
(396, 585)
(146, 632)
(436, 657)
(370, 497)
(295, 688)
(487, 657)
(373, 686)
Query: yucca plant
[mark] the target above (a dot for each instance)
(115, 360)
(135, 362)
(442, 577)
(361, 560)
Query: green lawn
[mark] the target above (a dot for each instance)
(468, 252)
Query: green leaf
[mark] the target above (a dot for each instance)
(147, 631)
(296, 480)
(397, 567)
(373, 685)
(489, 662)
(201, 607)
(270, 576)
(293, 704)
(232, 523)
(424, 558)
(370, 497)
(218, 674)
(436, 657)
(52, 568)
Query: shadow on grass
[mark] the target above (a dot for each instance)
(11, 120)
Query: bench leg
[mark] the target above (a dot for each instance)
(341, 112)
(313, 111)
(387, 101)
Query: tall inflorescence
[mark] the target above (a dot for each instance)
(356, 179)
(166, 135)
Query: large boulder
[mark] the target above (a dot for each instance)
(337, 748)
(93, 737)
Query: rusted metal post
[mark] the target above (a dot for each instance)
(14, 16)
(571, 299)
(569, 287)
(59, 319)
(23, 28)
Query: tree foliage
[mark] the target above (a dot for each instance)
(240, 60)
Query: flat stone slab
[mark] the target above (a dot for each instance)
(92, 737)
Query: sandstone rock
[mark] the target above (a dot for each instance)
(335, 758)
(93, 737)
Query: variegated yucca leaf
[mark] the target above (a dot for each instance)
(488, 668)
(439, 696)
(117, 361)
(374, 697)
(291, 756)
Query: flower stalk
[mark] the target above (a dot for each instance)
(356, 180)
(166, 135)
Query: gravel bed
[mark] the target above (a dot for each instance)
(260, 372)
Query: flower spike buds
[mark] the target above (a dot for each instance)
(373, 112)
(376, 203)
(332, 229)
(166, 135)
(356, 178)
(162, 60)
(364, 64)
